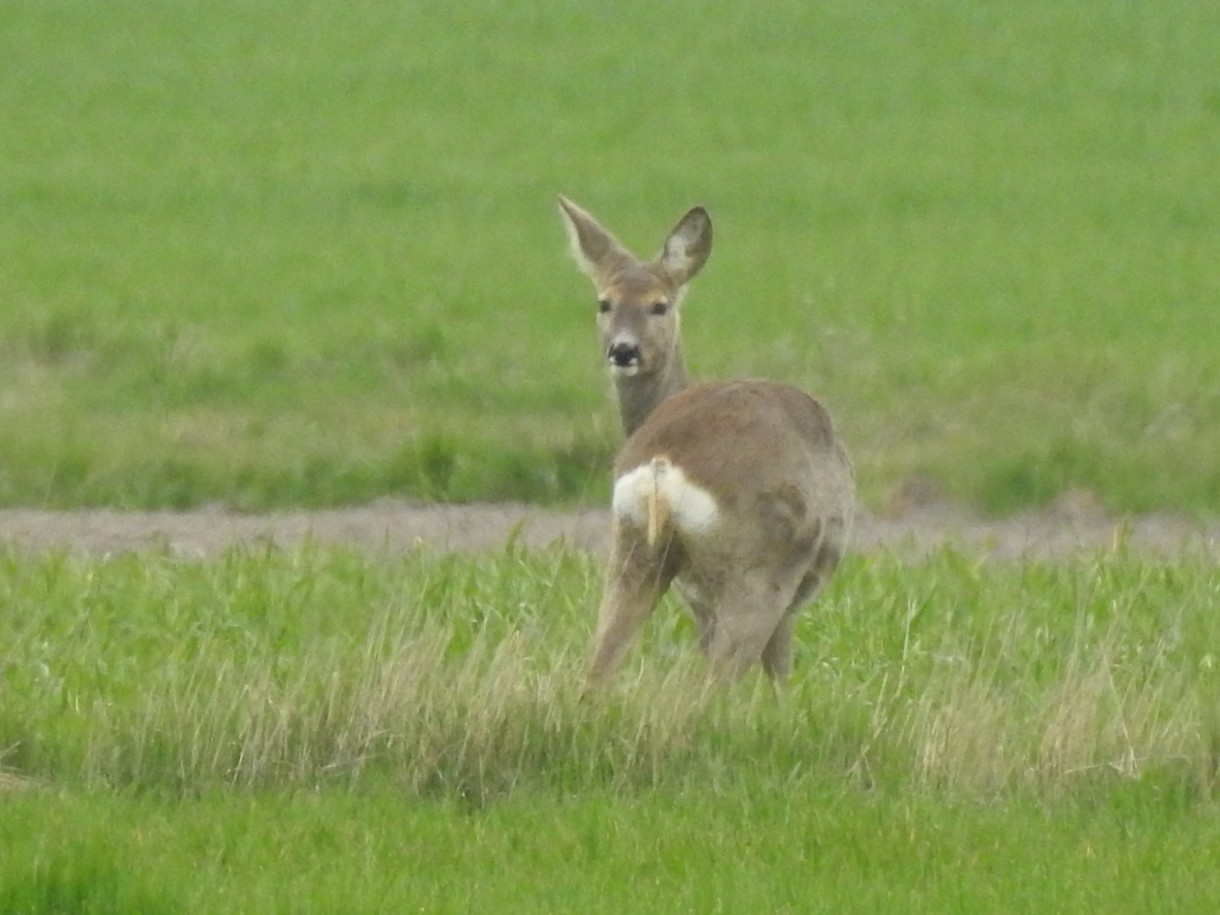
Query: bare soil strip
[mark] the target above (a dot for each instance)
(389, 526)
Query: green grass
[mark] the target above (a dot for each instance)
(800, 850)
(317, 730)
(463, 676)
(274, 668)
(277, 253)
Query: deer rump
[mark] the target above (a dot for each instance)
(769, 449)
(736, 492)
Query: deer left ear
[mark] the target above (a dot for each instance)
(688, 246)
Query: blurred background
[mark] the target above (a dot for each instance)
(273, 254)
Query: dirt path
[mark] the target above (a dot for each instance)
(396, 526)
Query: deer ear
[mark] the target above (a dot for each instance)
(596, 251)
(688, 246)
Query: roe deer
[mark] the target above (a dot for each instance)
(738, 491)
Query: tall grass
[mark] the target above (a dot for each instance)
(462, 678)
(319, 730)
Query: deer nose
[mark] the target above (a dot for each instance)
(623, 355)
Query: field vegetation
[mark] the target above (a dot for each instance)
(413, 731)
(274, 254)
(278, 253)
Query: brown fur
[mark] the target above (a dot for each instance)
(767, 453)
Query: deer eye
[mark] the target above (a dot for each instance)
(659, 309)
(603, 306)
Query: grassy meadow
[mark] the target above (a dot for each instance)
(317, 730)
(273, 254)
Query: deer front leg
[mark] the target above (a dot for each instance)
(701, 611)
(777, 653)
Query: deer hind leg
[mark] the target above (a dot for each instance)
(636, 578)
(752, 624)
(826, 552)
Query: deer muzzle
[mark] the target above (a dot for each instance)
(623, 355)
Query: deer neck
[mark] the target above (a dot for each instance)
(638, 395)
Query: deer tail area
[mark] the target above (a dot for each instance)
(658, 498)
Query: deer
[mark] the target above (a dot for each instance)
(739, 493)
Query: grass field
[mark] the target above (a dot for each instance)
(280, 253)
(805, 849)
(314, 729)
(462, 675)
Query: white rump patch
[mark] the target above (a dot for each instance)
(658, 494)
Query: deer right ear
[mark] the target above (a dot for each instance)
(596, 250)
